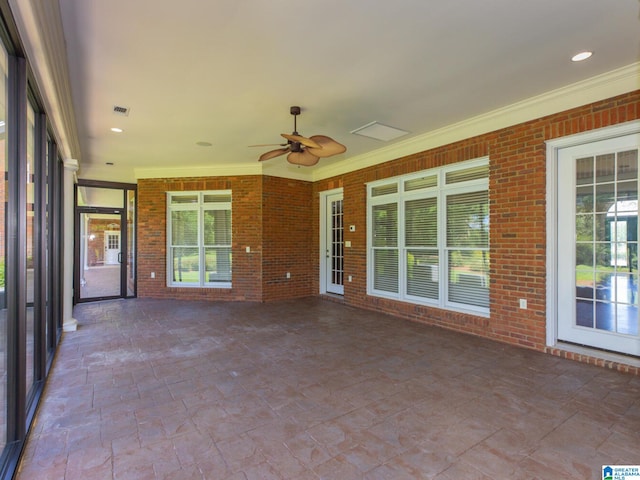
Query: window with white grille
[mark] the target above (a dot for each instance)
(199, 239)
(428, 237)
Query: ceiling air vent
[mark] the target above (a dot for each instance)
(379, 131)
(118, 110)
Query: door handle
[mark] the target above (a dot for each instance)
(119, 257)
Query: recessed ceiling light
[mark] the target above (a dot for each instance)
(117, 130)
(379, 131)
(204, 144)
(578, 57)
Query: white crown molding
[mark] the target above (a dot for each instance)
(228, 170)
(40, 27)
(610, 84)
(208, 171)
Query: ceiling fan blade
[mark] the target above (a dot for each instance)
(329, 147)
(300, 139)
(302, 158)
(273, 154)
(268, 145)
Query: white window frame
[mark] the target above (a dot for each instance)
(441, 191)
(200, 206)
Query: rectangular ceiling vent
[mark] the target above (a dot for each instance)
(379, 131)
(118, 110)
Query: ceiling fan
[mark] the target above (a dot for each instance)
(302, 150)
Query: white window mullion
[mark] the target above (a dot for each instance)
(402, 251)
(442, 245)
(203, 272)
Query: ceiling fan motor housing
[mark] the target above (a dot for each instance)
(302, 150)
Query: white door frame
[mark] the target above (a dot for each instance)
(553, 147)
(325, 216)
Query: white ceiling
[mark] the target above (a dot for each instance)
(227, 71)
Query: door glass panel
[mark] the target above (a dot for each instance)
(337, 243)
(131, 242)
(607, 243)
(100, 197)
(100, 255)
(333, 243)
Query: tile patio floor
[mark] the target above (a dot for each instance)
(311, 389)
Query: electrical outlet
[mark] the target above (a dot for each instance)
(153, 274)
(288, 274)
(248, 249)
(523, 303)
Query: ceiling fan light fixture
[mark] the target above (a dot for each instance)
(379, 131)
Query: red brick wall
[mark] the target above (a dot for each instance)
(247, 231)
(287, 239)
(270, 215)
(517, 187)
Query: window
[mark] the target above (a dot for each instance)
(428, 237)
(4, 199)
(29, 186)
(199, 239)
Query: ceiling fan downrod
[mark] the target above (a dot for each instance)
(295, 146)
(295, 111)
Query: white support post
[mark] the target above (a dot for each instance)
(69, 324)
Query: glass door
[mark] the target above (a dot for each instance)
(598, 245)
(105, 242)
(100, 255)
(334, 244)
